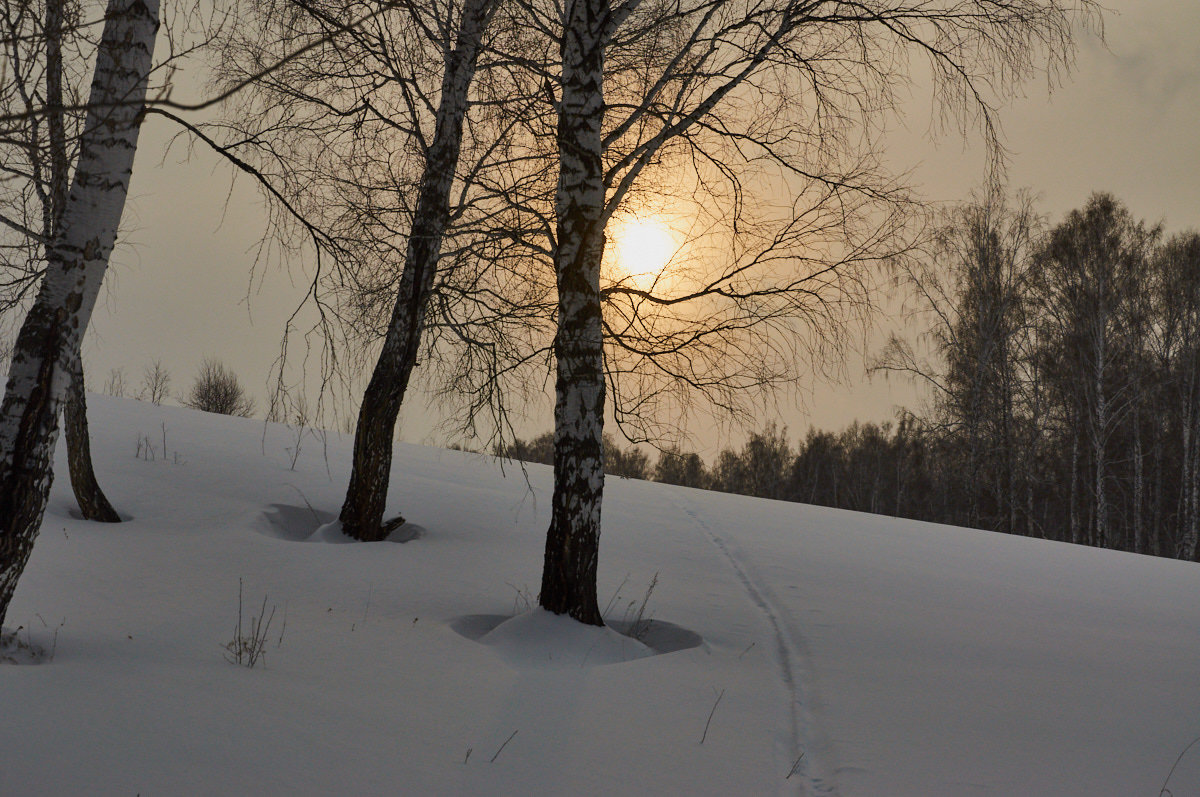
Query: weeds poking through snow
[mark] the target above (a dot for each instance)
(14, 650)
(641, 623)
(635, 622)
(247, 648)
(145, 448)
(1164, 789)
(506, 741)
(616, 594)
(522, 601)
(708, 722)
(279, 642)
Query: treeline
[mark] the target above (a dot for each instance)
(1064, 364)
(629, 463)
(882, 468)
(1066, 367)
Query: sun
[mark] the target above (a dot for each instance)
(643, 248)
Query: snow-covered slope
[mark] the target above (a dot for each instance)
(800, 650)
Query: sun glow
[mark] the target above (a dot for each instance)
(643, 248)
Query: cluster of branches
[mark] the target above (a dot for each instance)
(217, 389)
(893, 469)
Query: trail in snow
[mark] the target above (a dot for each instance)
(809, 772)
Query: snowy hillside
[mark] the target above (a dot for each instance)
(800, 650)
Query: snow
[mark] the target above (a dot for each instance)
(860, 655)
(539, 639)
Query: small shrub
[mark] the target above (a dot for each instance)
(217, 389)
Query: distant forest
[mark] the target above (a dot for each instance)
(1064, 368)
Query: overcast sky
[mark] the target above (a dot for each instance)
(1125, 121)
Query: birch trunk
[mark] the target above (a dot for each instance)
(1193, 487)
(573, 541)
(1098, 435)
(1139, 488)
(93, 504)
(1073, 499)
(47, 348)
(1187, 543)
(366, 495)
(1100, 476)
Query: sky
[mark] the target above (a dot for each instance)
(1122, 121)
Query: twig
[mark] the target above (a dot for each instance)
(710, 716)
(279, 644)
(506, 741)
(795, 766)
(613, 599)
(304, 498)
(1163, 790)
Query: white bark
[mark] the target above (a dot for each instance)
(48, 345)
(572, 544)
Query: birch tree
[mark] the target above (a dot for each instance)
(1090, 270)
(362, 511)
(365, 137)
(1175, 349)
(798, 85)
(38, 154)
(47, 347)
(970, 285)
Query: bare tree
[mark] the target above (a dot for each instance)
(793, 84)
(970, 285)
(217, 389)
(156, 383)
(48, 345)
(367, 139)
(115, 384)
(39, 153)
(1174, 345)
(1090, 272)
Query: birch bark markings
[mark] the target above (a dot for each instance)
(573, 541)
(93, 503)
(366, 494)
(47, 348)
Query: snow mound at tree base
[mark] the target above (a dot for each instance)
(659, 636)
(539, 639)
